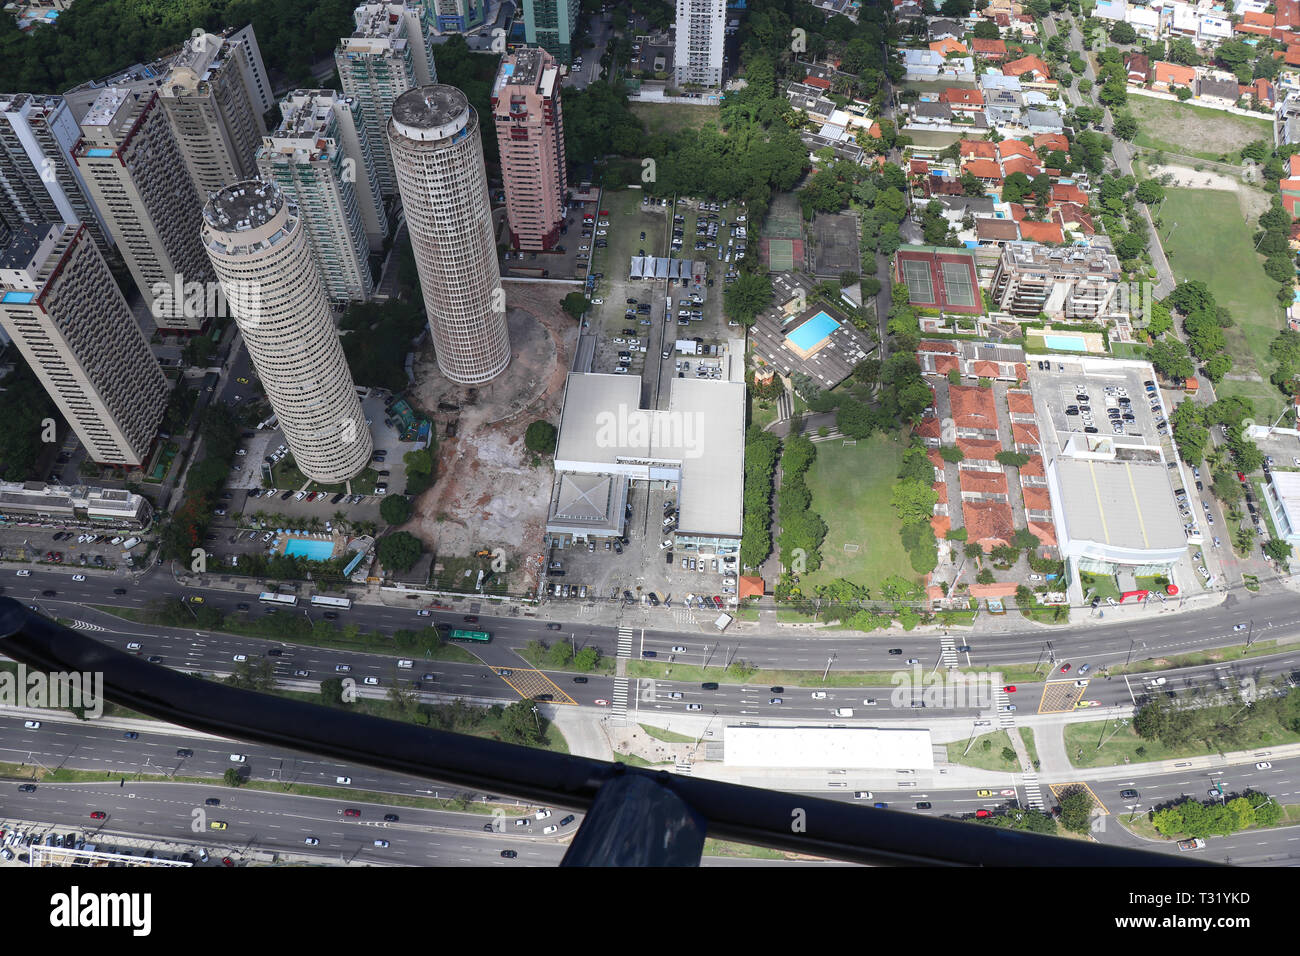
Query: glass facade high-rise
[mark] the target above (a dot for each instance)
(552, 24)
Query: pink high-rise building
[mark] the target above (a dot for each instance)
(530, 133)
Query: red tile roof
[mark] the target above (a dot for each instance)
(1036, 498)
(1259, 19)
(956, 97)
(1175, 73)
(1044, 531)
(750, 585)
(978, 149)
(1021, 164)
(937, 345)
(986, 369)
(1294, 166)
(983, 482)
(1022, 372)
(1253, 28)
(1024, 434)
(1069, 193)
(818, 81)
(918, 167)
(928, 428)
(1292, 55)
(988, 523)
(1017, 211)
(1040, 231)
(1016, 147)
(1068, 213)
(936, 459)
(989, 48)
(1034, 467)
(948, 45)
(1020, 403)
(973, 407)
(941, 489)
(941, 524)
(1027, 64)
(1288, 14)
(1052, 141)
(979, 449)
(983, 169)
(995, 590)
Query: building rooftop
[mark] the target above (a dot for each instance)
(242, 206)
(27, 238)
(431, 112)
(1075, 260)
(1123, 504)
(105, 107)
(521, 68)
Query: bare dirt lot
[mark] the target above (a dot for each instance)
(488, 493)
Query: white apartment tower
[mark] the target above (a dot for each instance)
(257, 241)
(437, 154)
(61, 307)
(308, 158)
(390, 52)
(701, 28)
(136, 176)
(39, 182)
(213, 96)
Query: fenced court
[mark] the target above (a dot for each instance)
(781, 254)
(836, 244)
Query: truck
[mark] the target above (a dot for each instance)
(722, 622)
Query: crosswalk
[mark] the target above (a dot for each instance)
(682, 616)
(948, 652)
(1033, 795)
(618, 703)
(1001, 700)
(683, 768)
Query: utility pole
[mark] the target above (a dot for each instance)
(828, 667)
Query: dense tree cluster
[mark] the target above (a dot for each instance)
(761, 449)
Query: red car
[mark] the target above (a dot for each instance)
(1241, 478)
(349, 812)
(1009, 689)
(717, 602)
(98, 815)
(981, 814)
(1065, 668)
(227, 861)
(604, 212)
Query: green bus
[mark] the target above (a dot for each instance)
(474, 637)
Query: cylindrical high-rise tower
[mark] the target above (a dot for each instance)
(273, 287)
(438, 159)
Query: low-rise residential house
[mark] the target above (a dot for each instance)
(1167, 76)
(1138, 66)
(1029, 69)
(1113, 10)
(931, 114)
(923, 65)
(1217, 89)
(949, 47)
(1052, 142)
(1259, 24)
(1145, 21)
(942, 29)
(963, 100)
(1004, 108)
(1043, 121)
(994, 51)
(1044, 232)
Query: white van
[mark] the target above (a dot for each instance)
(130, 543)
(843, 711)
(405, 664)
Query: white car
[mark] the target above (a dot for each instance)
(240, 452)
(1159, 681)
(32, 724)
(78, 577)
(819, 695)
(241, 657)
(238, 758)
(133, 646)
(1239, 627)
(675, 695)
(343, 780)
(603, 222)
(372, 681)
(117, 540)
(1264, 766)
(1203, 571)
(862, 795)
(679, 649)
(541, 814)
(311, 841)
(24, 573)
(597, 301)
(382, 844)
(667, 543)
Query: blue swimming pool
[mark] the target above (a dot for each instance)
(1065, 343)
(813, 332)
(311, 550)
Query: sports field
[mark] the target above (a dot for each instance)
(1234, 272)
(850, 487)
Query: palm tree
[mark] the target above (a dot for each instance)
(315, 524)
(340, 519)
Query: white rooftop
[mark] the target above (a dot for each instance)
(814, 748)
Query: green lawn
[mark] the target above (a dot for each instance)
(1234, 273)
(1105, 585)
(1194, 130)
(850, 489)
(666, 118)
(990, 759)
(1121, 742)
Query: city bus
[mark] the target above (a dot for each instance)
(342, 604)
(270, 597)
(473, 637)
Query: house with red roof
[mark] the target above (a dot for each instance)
(1138, 66)
(962, 100)
(973, 409)
(995, 51)
(986, 171)
(988, 523)
(1029, 69)
(1015, 147)
(820, 82)
(1287, 14)
(1292, 55)
(1020, 164)
(949, 47)
(1068, 192)
(1166, 76)
(1045, 232)
(1052, 142)
(978, 149)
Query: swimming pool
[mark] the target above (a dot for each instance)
(1065, 343)
(813, 332)
(311, 550)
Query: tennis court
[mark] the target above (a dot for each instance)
(779, 253)
(784, 218)
(958, 287)
(920, 288)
